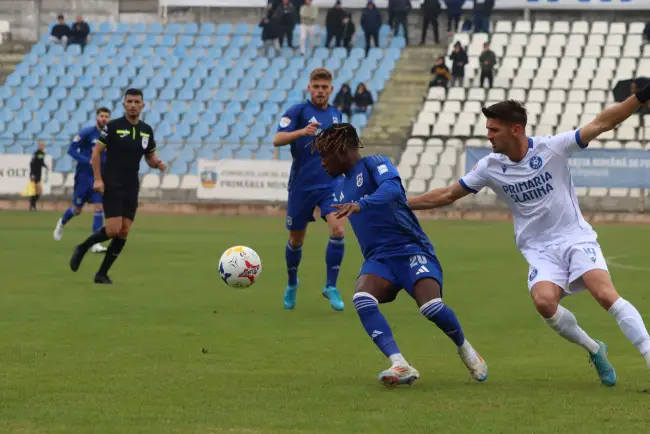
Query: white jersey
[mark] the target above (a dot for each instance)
(538, 190)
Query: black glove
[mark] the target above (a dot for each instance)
(643, 95)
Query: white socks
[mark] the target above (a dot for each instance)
(398, 359)
(631, 323)
(566, 325)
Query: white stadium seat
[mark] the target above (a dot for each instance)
(69, 180)
(580, 27)
(425, 117)
(432, 106)
(416, 186)
(436, 93)
(421, 130)
(523, 27)
(170, 182)
(618, 29)
(542, 26)
(444, 172)
(151, 180)
(636, 28)
(503, 27)
(190, 182)
(561, 27)
(600, 27)
(56, 179)
(414, 143)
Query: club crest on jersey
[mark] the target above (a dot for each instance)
(335, 120)
(360, 180)
(285, 122)
(504, 168)
(535, 162)
(532, 275)
(145, 142)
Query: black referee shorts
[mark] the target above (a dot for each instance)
(120, 202)
(37, 177)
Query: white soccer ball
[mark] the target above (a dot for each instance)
(240, 266)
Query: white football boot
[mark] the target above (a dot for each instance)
(58, 231)
(398, 374)
(474, 362)
(98, 248)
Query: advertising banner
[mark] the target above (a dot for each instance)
(14, 173)
(499, 4)
(607, 168)
(245, 180)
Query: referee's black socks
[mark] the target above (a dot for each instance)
(114, 249)
(98, 237)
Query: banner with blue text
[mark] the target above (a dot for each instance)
(608, 168)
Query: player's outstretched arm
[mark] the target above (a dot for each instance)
(438, 197)
(283, 138)
(614, 115)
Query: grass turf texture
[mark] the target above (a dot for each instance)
(171, 349)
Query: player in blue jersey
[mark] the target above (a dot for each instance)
(398, 255)
(81, 150)
(310, 186)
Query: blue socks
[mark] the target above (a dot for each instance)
(333, 259)
(445, 318)
(293, 255)
(98, 220)
(67, 215)
(375, 323)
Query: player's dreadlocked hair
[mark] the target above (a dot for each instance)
(337, 139)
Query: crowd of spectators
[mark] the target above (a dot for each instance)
(66, 35)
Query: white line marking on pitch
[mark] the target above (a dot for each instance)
(610, 261)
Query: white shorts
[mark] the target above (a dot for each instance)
(564, 265)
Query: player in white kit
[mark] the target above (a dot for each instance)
(532, 176)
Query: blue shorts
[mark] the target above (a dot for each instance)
(404, 271)
(84, 193)
(300, 209)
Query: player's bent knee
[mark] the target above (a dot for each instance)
(545, 303)
(296, 238)
(337, 231)
(77, 210)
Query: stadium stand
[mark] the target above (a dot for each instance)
(213, 93)
(563, 71)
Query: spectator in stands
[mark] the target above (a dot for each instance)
(286, 18)
(459, 60)
(349, 29)
(344, 100)
(60, 32)
(454, 11)
(488, 61)
(441, 74)
(308, 16)
(401, 9)
(269, 29)
(646, 33)
(371, 23)
(79, 33)
(430, 13)
(482, 13)
(362, 99)
(334, 24)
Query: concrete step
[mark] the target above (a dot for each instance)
(15, 47)
(11, 58)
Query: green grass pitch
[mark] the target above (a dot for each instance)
(170, 349)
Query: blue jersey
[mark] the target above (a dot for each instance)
(81, 150)
(306, 171)
(385, 227)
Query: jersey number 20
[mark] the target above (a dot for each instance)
(417, 259)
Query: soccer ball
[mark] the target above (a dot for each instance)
(240, 267)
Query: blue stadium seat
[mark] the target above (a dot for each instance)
(264, 154)
(123, 28)
(168, 41)
(155, 28)
(224, 29)
(215, 107)
(186, 94)
(105, 28)
(139, 28)
(63, 165)
(190, 29)
(173, 29)
(207, 29)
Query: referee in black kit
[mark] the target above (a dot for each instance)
(125, 140)
(36, 166)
